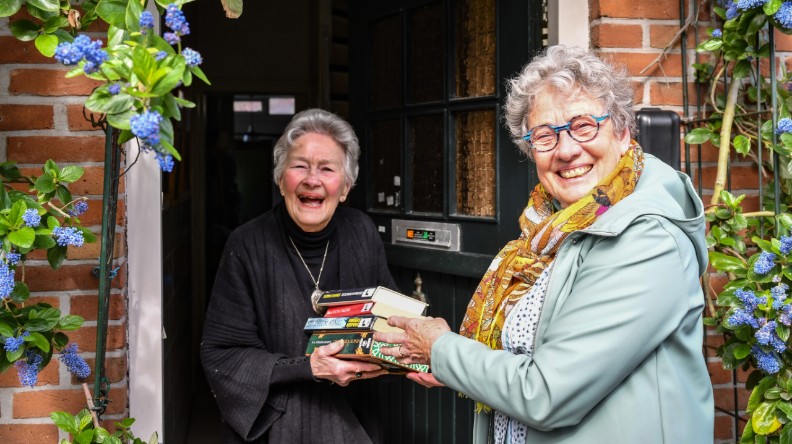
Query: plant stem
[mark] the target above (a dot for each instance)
(725, 141)
(91, 406)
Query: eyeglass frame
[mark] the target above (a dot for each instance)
(559, 128)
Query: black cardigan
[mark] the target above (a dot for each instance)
(255, 322)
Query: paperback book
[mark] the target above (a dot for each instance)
(361, 346)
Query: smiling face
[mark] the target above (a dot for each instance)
(573, 168)
(313, 181)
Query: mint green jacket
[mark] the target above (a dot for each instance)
(618, 349)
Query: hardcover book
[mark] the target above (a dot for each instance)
(352, 323)
(361, 346)
(391, 302)
(349, 310)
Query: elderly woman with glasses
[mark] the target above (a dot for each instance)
(253, 348)
(588, 327)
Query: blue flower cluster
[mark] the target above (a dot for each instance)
(786, 245)
(160, 55)
(28, 369)
(748, 4)
(768, 336)
(82, 48)
(146, 21)
(784, 126)
(13, 257)
(74, 362)
(146, 127)
(31, 218)
(175, 20)
(166, 162)
(13, 344)
(732, 11)
(765, 263)
(784, 15)
(743, 317)
(114, 89)
(192, 57)
(779, 293)
(80, 207)
(68, 236)
(6, 280)
(765, 361)
(717, 33)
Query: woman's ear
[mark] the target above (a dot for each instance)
(624, 141)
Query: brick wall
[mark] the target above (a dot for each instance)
(635, 33)
(41, 117)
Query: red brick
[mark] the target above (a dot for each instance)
(610, 35)
(783, 42)
(88, 250)
(25, 117)
(40, 403)
(91, 182)
(718, 375)
(660, 36)
(67, 277)
(49, 82)
(28, 433)
(669, 93)
(742, 177)
(37, 149)
(724, 428)
(16, 51)
(87, 306)
(658, 9)
(79, 118)
(638, 87)
(670, 66)
(115, 370)
(86, 338)
(724, 398)
(48, 376)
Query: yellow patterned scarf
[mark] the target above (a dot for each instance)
(518, 265)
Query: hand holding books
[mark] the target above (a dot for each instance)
(415, 343)
(324, 365)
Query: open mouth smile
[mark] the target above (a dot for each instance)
(311, 201)
(575, 172)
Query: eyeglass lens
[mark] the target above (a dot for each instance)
(580, 128)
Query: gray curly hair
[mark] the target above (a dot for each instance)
(318, 121)
(570, 70)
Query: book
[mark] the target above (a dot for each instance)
(331, 298)
(361, 346)
(349, 323)
(391, 302)
(349, 310)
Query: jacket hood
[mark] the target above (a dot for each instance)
(661, 191)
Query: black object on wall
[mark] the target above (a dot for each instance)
(658, 134)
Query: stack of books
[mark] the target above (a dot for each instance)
(354, 315)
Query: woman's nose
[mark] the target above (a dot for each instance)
(567, 147)
(312, 176)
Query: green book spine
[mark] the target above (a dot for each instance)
(361, 345)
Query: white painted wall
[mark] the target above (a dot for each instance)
(569, 23)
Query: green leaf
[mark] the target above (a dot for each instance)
(52, 24)
(132, 16)
(200, 74)
(763, 419)
(5, 330)
(9, 7)
(741, 351)
(113, 12)
(24, 30)
(88, 235)
(786, 408)
(698, 136)
(70, 173)
(758, 393)
(43, 242)
(171, 79)
(40, 13)
(86, 436)
(101, 101)
(23, 237)
(710, 45)
(65, 422)
(43, 320)
(143, 66)
(742, 69)
(64, 195)
(70, 322)
(45, 5)
(154, 438)
(55, 256)
(723, 262)
(15, 355)
(46, 44)
(121, 120)
(44, 184)
(39, 341)
(233, 8)
(742, 144)
(757, 22)
(60, 340)
(20, 293)
(772, 6)
(183, 103)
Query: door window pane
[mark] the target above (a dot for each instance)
(385, 164)
(385, 64)
(475, 48)
(425, 57)
(426, 141)
(475, 163)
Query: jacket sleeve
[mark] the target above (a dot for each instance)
(630, 293)
(238, 366)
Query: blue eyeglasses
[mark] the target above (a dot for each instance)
(580, 128)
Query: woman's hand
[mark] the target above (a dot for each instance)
(425, 379)
(416, 341)
(324, 365)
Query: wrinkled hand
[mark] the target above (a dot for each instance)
(425, 379)
(416, 341)
(324, 365)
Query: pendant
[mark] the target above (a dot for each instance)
(315, 302)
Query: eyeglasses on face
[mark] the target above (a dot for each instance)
(580, 128)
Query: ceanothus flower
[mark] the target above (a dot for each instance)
(80, 207)
(784, 126)
(749, 300)
(175, 20)
(13, 344)
(192, 57)
(743, 317)
(6, 280)
(171, 37)
(13, 257)
(748, 4)
(74, 362)
(784, 15)
(160, 55)
(732, 12)
(785, 315)
(786, 244)
(146, 126)
(765, 361)
(146, 21)
(68, 236)
(779, 293)
(31, 218)
(765, 263)
(166, 162)
(28, 369)
(114, 89)
(717, 33)
(82, 48)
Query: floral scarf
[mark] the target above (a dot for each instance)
(517, 266)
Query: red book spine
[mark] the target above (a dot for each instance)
(349, 310)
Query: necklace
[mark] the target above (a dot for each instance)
(317, 292)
